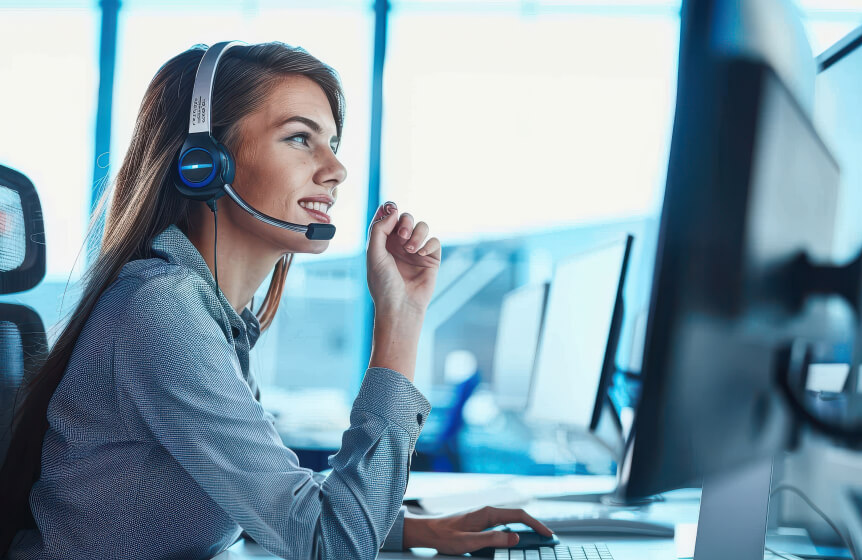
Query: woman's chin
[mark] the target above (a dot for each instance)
(315, 247)
(323, 246)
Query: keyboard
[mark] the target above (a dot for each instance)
(559, 552)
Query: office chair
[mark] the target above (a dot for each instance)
(23, 342)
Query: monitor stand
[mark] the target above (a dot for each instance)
(616, 497)
(612, 498)
(733, 510)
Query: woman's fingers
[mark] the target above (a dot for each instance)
(401, 236)
(383, 213)
(417, 237)
(420, 232)
(404, 229)
(411, 237)
(493, 539)
(432, 247)
(501, 516)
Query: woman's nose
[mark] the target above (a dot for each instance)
(332, 172)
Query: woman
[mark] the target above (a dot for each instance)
(142, 436)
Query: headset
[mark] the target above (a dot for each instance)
(205, 168)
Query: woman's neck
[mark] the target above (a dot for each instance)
(244, 262)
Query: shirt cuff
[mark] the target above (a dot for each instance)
(390, 395)
(395, 538)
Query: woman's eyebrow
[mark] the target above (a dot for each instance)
(306, 121)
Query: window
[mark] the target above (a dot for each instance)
(529, 117)
(827, 21)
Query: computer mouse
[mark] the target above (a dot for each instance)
(527, 539)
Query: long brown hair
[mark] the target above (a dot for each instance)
(143, 204)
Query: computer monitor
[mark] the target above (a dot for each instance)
(578, 343)
(750, 186)
(838, 116)
(520, 324)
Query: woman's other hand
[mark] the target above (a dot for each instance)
(402, 266)
(402, 270)
(457, 534)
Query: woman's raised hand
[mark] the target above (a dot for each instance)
(402, 265)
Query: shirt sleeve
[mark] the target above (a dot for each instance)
(178, 375)
(395, 538)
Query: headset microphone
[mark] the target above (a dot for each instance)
(205, 168)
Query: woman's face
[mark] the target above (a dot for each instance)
(286, 165)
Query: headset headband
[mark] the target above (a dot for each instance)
(201, 110)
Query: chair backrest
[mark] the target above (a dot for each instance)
(23, 343)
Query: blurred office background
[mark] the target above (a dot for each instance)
(521, 131)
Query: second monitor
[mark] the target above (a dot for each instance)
(577, 349)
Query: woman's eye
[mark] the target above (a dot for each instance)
(301, 138)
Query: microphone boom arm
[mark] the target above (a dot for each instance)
(311, 231)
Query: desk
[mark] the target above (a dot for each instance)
(680, 507)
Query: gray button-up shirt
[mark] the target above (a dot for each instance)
(158, 448)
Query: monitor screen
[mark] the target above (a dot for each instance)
(568, 386)
(515, 349)
(838, 117)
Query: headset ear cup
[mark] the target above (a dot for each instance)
(200, 153)
(227, 164)
(175, 175)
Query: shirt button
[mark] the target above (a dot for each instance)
(234, 331)
(419, 419)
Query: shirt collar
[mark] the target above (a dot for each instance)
(173, 246)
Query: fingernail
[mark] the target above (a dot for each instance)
(513, 539)
(389, 207)
(409, 248)
(423, 252)
(403, 232)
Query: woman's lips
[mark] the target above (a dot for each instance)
(319, 217)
